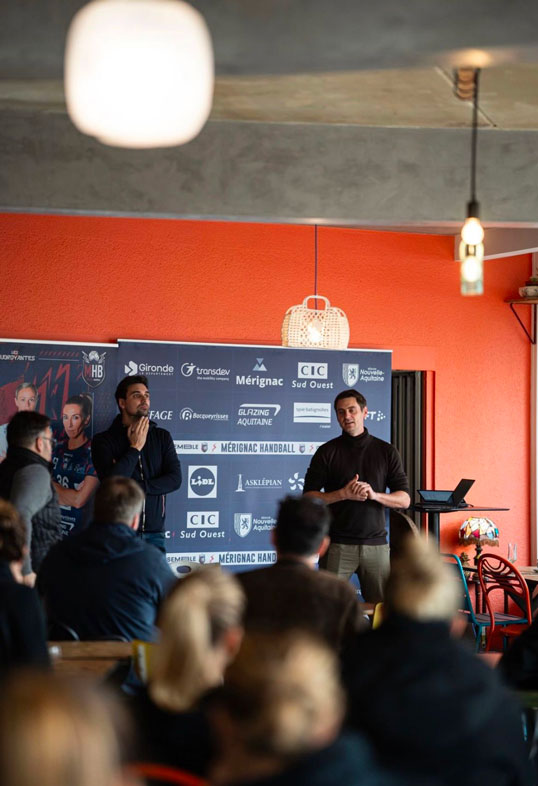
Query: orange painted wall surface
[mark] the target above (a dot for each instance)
(97, 279)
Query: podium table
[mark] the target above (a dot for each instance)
(434, 512)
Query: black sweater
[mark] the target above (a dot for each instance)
(376, 462)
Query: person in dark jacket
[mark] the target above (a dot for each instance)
(135, 447)
(292, 593)
(105, 581)
(435, 714)
(22, 623)
(25, 480)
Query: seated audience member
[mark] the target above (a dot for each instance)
(277, 718)
(106, 581)
(22, 625)
(25, 480)
(433, 711)
(292, 593)
(55, 732)
(200, 625)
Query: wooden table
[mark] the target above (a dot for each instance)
(92, 658)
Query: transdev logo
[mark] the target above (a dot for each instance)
(311, 412)
(309, 370)
(157, 370)
(202, 482)
(217, 374)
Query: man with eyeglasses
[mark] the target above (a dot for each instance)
(25, 481)
(135, 447)
(26, 398)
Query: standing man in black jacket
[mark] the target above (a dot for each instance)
(135, 447)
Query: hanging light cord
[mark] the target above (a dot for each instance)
(316, 264)
(474, 136)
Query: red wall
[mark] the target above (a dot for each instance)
(98, 279)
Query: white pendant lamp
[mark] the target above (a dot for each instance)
(472, 232)
(139, 73)
(316, 328)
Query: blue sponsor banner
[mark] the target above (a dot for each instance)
(43, 376)
(246, 421)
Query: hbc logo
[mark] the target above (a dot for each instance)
(202, 482)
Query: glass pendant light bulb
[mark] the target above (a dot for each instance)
(472, 232)
(472, 269)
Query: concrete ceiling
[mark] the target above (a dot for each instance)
(340, 113)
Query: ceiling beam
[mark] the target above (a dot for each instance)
(273, 172)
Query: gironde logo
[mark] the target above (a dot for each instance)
(132, 368)
(202, 482)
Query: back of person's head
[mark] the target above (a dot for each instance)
(281, 695)
(55, 732)
(125, 384)
(12, 533)
(118, 500)
(301, 525)
(25, 427)
(421, 585)
(200, 624)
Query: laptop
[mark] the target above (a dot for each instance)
(447, 499)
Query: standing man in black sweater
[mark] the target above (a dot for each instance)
(354, 471)
(135, 447)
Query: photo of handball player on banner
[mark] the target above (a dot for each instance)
(73, 475)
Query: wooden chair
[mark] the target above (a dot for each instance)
(499, 578)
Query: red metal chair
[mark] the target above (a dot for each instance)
(500, 579)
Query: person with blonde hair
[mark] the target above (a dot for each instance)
(422, 697)
(278, 715)
(201, 630)
(55, 732)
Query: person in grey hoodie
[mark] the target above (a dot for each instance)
(25, 481)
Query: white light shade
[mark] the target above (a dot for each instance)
(139, 73)
(472, 232)
(324, 328)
